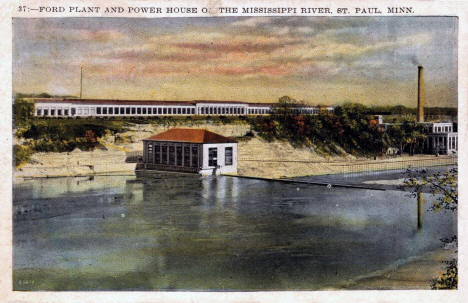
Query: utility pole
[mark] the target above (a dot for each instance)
(81, 81)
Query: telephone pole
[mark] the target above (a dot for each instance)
(81, 81)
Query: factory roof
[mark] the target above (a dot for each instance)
(156, 102)
(142, 102)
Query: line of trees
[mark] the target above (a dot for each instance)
(350, 127)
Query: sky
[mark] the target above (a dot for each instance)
(319, 60)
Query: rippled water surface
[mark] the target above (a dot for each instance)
(175, 231)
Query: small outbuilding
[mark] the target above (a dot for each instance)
(190, 150)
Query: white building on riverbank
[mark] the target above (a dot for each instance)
(190, 150)
(441, 138)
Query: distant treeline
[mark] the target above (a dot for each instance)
(350, 128)
(41, 95)
(403, 110)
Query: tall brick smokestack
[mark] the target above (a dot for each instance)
(420, 114)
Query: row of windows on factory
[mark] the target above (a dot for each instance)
(52, 112)
(151, 111)
(183, 155)
(117, 111)
(222, 110)
(163, 111)
(308, 110)
(144, 111)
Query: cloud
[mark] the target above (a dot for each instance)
(145, 55)
(272, 70)
(305, 29)
(331, 50)
(234, 46)
(416, 40)
(243, 55)
(80, 35)
(283, 30)
(253, 21)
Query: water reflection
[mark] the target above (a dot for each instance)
(420, 200)
(183, 231)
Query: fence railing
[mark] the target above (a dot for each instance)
(371, 166)
(375, 166)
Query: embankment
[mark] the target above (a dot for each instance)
(256, 158)
(415, 273)
(110, 156)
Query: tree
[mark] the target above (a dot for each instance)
(23, 111)
(407, 135)
(284, 107)
(21, 154)
(91, 139)
(444, 187)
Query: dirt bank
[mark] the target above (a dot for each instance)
(417, 273)
(256, 157)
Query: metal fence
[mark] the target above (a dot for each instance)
(373, 167)
(370, 166)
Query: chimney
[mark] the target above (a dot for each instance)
(420, 114)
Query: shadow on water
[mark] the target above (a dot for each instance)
(183, 231)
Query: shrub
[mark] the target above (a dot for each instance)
(21, 154)
(22, 112)
(448, 279)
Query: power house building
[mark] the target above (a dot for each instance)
(190, 150)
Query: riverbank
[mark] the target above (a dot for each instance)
(416, 273)
(304, 163)
(256, 157)
(280, 161)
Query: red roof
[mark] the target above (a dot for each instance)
(191, 135)
(142, 102)
(113, 101)
(153, 102)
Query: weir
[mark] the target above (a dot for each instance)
(329, 185)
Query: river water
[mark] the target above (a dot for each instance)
(160, 231)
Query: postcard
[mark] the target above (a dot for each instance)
(240, 151)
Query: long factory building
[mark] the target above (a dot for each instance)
(62, 107)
